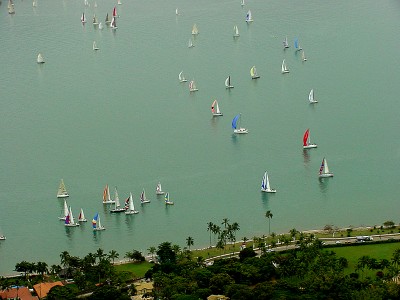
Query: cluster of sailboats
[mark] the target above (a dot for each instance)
(115, 206)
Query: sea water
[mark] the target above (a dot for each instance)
(119, 116)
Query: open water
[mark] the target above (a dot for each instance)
(119, 116)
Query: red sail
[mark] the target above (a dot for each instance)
(305, 137)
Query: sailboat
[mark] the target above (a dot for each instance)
(95, 46)
(130, 208)
(64, 212)
(40, 59)
(176, 12)
(143, 198)
(182, 77)
(81, 217)
(236, 125)
(95, 21)
(96, 224)
(119, 2)
(62, 191)
(265, 186)
(113, 24)
(284, 67)
(195, 31)
(10, 7)
(117, 207)
(167, 201)
(228, 84)
(285, 43)
(192, 86)
(107, 196)
(306, 140)
(159, 190)
(190, 44)
(311, 97)
(249, 17)
(215, 109)
(2, 237)
(69, 220)
(34, 3)
(235, 31)
(253, 73)
(242, 3)
(303, 56)
(297, 45)
(324, 170)
(107, 21)
(83, 18)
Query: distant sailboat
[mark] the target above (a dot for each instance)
(228, 84)
(176, 12)
(192, 86)
(64, 212)
(107, 21)
(40, 59)
(10, 7)
(119, 2)
(303, 56)
(297, 44)
(236, 125)
(306, 140)
(167, 201)
(284, 67)
(311, 97)
(253, 73)
(95, 46)
(285, 43)
(324, 170)
(130, 208)
(95, 21)
(107, 196)
(215, 109)
(159, 190)
(69, 220)
(114, 13)
(235, 31)
(83, 18)
(265, 186)
(143, 198)
(34, 3)
(249, 17)
(113, 24)
(96, 224)
(182, 77)
(195, 30)
(242, 3)
(81, 217)
(117, 207)
(62, 191)
(190, 44)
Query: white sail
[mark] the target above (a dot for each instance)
(192, 86)
(176, 12)
(69, 221)
(311, 97)
(182, 77)
(64, 212)
(113, 23)
(215, 109)
(95, 46)
(143, 198)
(265, 185)
(249, 17)
(195, 31)
(83, 18)
(284, 67)
(235, 31)
(40, 59)
(303, 56)
(95, 21)
(324, 169)
(117, 205)
(253, 73)
(62, 191)
(285, 43)
(81, 217)
(131, 207)
(159, 190)
(228, 83)
(190, 44)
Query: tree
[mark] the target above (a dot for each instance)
(293, 233)
(210, 226)
(65, 258)
(189, 241)
(23, 266)
(41, 267)
(225, 222)
(165, 253)
(113, 255)
(152, 250)
(269, 215)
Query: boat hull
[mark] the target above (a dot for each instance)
(193, 90)
(117, 210)
(62, 196)
(71, 225)
(255, 77)
(2, 238)
(169, 203)
(160, 193)
(99, 229)
(183, 80)
(241, 131)
(310, 146)
(217, 114)
(314, 101)
(230, 87)
(83, 220)
(325, 175)
(131, 212)
(109, 202)
(145, 201)
(268, 191)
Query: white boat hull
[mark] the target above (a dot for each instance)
(2, 238)
(230, 87)
(268, 190)
(183, 80)
(99, 229)
(240, 131)
(193, 90)
(325, 175)
(109, 202)
(169, 203)
(217, 114)
(83, 220)
(71, 225)
(62, 196)
(159, 193)
(313, 101)
(145, 201)
(131, 212)
(117, 210)
(310, 146)
(285, 71)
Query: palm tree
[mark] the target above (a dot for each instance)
(41, 267)
(152, 250)
(65, 257)
(225, 222)
(189, 241)
(216, 230)
(293, 233)
(113, 255)
(176, 248)
(100, 254)
(269, 215)
(210, 226)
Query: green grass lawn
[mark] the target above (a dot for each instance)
(137, 269)
(353, 253)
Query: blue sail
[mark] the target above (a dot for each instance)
(94, 221)
(234, 121)
(296, 43)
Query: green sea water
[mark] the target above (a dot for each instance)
(119, 116)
